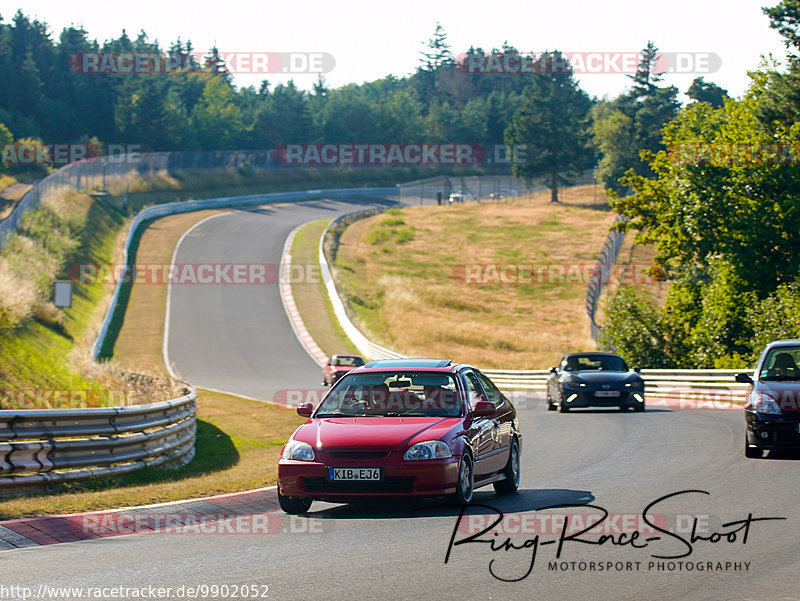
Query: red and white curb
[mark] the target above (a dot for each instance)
(287, 299)
(219, 514)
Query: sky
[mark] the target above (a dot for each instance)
(717, 39)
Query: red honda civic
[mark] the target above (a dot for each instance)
(402, 427)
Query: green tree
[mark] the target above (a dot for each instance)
(632, 123)
(702, 91)
(552, 122)
(216, 118)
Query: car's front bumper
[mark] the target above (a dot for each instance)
(583, 397)
(772, 432)
(425, 478)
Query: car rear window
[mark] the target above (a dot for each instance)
(381, 394)
(348, 361)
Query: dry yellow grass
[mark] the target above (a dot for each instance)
(407, 296)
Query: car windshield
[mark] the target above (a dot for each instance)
(347, 361)
(781, 363)
(594, 363)
(386, 394)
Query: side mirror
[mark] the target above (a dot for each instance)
(484, 409)
(744, 378)
(305, 409)
(637, 369)
(553, 370)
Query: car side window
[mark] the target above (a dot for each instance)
(474, 390)
(493, 394)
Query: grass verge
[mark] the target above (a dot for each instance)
(310, 294)
(403, 275)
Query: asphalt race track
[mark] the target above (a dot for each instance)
(236, 338)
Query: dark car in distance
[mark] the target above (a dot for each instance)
(772, 408)
(594, 380)
(402, 428)
(339, 365)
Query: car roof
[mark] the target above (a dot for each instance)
(592, 354)
(787, 342)
(409, 363)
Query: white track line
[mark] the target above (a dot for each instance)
(165, 345)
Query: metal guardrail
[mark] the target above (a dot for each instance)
(40, 447)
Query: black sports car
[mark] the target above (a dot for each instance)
(772, 409)
(594, 380)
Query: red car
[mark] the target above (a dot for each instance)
(339, 365)
(402, 427)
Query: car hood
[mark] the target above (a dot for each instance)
(375, 432)
(603, 376)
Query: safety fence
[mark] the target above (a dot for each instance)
(606, 258)
(43, 447)
(481, 188)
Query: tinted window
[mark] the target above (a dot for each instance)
(474, 390)
(348, 361)
(782, 363)
(593, 363)
(380, 394)
(495, 396)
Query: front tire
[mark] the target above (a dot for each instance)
(562, 407)
(511, 472)
(465, 484)
(294, 505)
(550, 405)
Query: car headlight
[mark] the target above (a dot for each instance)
(635, 384)
(764, 403)
(573, 383)
(431, 449)
(298, 450)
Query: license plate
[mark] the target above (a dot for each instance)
(354, 473)
(607, 393)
